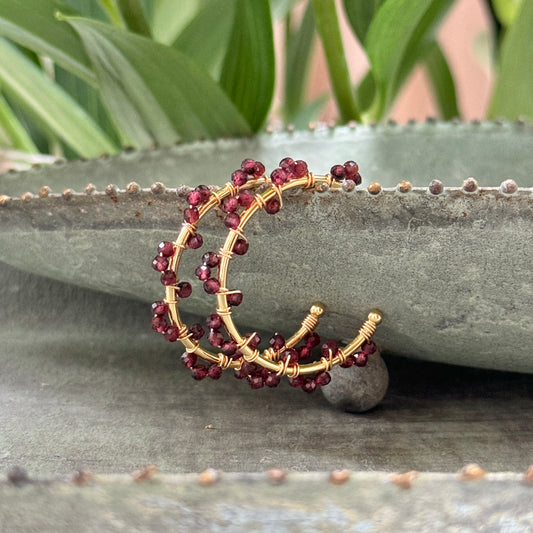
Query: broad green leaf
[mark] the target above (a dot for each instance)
(248, 71)
(360, 14)
(205, 39)
(506, 10)
(330, 35)
(134, 17)
(281, 8)
(393, 44)
(365, 92)
(112, 11)
(171, 16)
(31, 23)
(441, 80)
(299, 45)
(10, 124)
(513, 90)
(35, 92)
(309, 112)
(153, 92)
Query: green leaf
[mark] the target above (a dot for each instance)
(110, 7)
(513, 90)
(441, 80)
(34, 91)
(506, 10)
(248, 71)
(393, 44)
(309, 112)
(206, 38)
(19, 137)
(365, 91)
(168, 20)
(32, 24)
(360, 14)
(153, 92)
(328, 29)
(299, 46)
(281, 8)
(133, 15)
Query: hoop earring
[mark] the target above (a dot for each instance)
(248, 192)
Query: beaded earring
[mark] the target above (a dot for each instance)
(248, 192)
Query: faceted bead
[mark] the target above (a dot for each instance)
(229, 348)
(323, 379)
(191, 215)
(211, 286)
(232, 220)
(330, 349)
(188, 359)
(229, 204)
(297, 382)
(357, 179)
(246, 199)
(248, 166)
(259, 169)
(214, 371)
(304, 353)
(350, 361)
(165, 248)
(168, 277)
(272, 380)
(184, 289)
(202, 272)
(194, 198)
(337, 171)
(287, 164)
(299, 169)
(256, 382)
(277, 342)
(160, 263)
(254, 342)
(369, 347)
(351, 168)
(289, 352)
(159, 324)
(278, 176)
(251, 369)
(199, 372)
(197, 331)
(195, 241)
(210, 259)
(312, 340)
(172, 334)
(240, 374)
(159, 308)
(215, 338)
(213, 322)
(239, 178)
(309, 385)
(205, 192)
(240, 247)
(361, 359)
(236, 355)
(235, 299)
(272, 206)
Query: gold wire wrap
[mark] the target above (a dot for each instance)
(327, 362)
(260, 200)
(224, 361)
(310, 322)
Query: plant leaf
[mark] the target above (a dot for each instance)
(168, 20)
(248, 71)
(32, 24)
(132, 13)
(393, 44)
(513, 90)
(153, 92)
(365, 91)
(281, 8)
(441, 80)
(360, 14)
(310, 111)
(506, 10)
(35, 92)
(10, 124)
(205, 39)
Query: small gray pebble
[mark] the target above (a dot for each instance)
(358, 389)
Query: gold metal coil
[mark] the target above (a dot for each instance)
(310, 322)
(224, 361)
(260, 201)
(327, 362)
(231, 188)
(283, 366)
(277, 190)
(367, 329)
(341, 356)
(223, 311)
(252, 357)
(309, 181)
(190, 227)
(228, 254)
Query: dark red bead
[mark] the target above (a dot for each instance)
(188, 359)
(194, 198)
(255, 341)
(159, 308)
(299, 169)
(251, 369)
(240, 247)
(277, 342)
(168, 277)
(272, 380)
(232, 220)
(197, 331)
(287, 164)
(211, 286)
(160, 263)
(330, 349)
(350, 361)
(240, 374)
(165, 248)
(248, 166)
(234, 299)
(215, 338)
(195, 241)
(337, 171)
(191, 215)
(184, 289)
(199, 372)
(259, 169)
(272, 206)
(229, 204)
(229, 348)
(202, 272)
(304, 353)
(214, 371)
(312, 340)
(356, 178)
(159, 324)
(361, 359)
(214, 322)
(297, 382)
(205, 192)
(239, 178)
(351, 168)
(236, 355)
(210, 259)
(279, 176)
(256, 382)
(369, 347)
(246, 199)
(289, 352)
(323, 379)
(309, 385)
(172, 334)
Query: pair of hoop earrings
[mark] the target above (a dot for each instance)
(248, 192)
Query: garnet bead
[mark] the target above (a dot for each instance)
(232, 220)
(255, 341)
(197, 331)
(194, 198)
(369, 347)
(304, 353)
(235, 298)
(213, 322)
(211, 286)
(240, 247)
(165, 248)
(279, 176)
(191, 215)
(188, 359)
(337, 171)
(215, 338)
(361, 359)
(299, 169)
(312, 340)
(256, 382)
(297, 382)
(160, 263)
(214, 371)
(272, 380)
(309, 385)
(168, 277)
(211, 259)
(259, 169)
(246, 199)
(240, 374)
(172, 334)
(229, 204)
(184, 289)
(272, 206)
(199, 372)
(229, 348)
(323, 379)
(277, 342)
(205, 193)
(287, 164)
(202, 272)
(159, 324)
(239, 178)
(248, 166)
(350, 361)
(195, 241)
(289, 352)
(330, 349)
(159, 308)
(351, 168)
